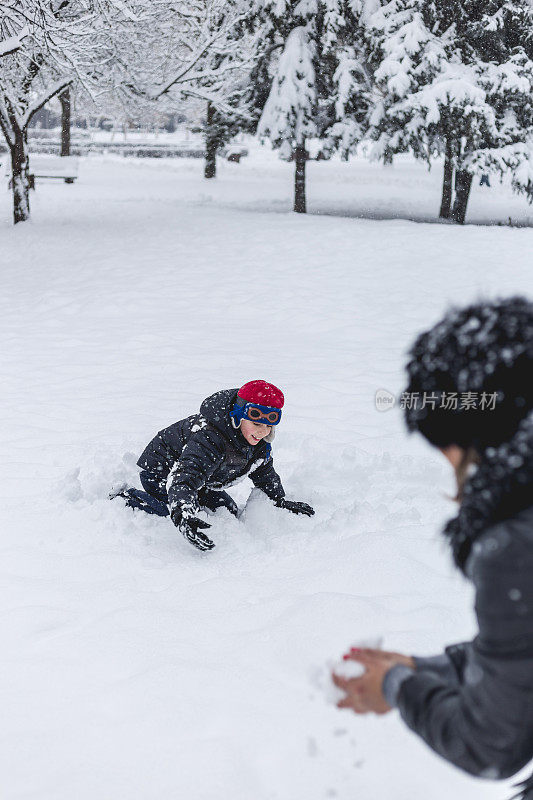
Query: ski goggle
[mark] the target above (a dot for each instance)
(267, 415)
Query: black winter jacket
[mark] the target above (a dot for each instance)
(474, 705)
(206, 451)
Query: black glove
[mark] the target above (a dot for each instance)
(295, 508)
(189, 526)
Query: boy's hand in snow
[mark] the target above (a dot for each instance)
(189, 526)
(296, 508)
(365, 694)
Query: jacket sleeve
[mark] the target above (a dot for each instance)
(448, 665)
(267, 479)
(482, 719)
(200, 457)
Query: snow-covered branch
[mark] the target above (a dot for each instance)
(51, 92)
(13, 43)
(221, 105)
(46, 46)
(201, 51)
(204, 76)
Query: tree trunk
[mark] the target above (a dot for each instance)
(64, 98)
(211, 144)
(463, 184)
(20, 178)
(447, 183)
(300, 157)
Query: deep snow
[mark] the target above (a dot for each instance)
(132, 666)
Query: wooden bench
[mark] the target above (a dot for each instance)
(63, 168)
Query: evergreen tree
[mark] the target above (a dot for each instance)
(289, 114)
(303, 89)
(457, 80)
(348, 46)
(287, 63)
(314, 76)
(411, 57)
(503, 36)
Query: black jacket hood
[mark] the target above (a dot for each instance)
(216, 410)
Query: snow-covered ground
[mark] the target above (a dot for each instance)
(134, 667)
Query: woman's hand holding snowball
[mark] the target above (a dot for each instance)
(364, 694)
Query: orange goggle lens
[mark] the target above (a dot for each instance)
(267, 417)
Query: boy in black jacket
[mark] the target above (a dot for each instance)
(187, 465)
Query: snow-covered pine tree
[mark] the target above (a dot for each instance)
(410, 56)
(289, 116)
(493, 42)
(457, 80)
(348, 46)
(287, 65)
(314, 76)
(502, 37)
(310, 78)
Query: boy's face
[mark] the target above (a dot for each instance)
(253, 432)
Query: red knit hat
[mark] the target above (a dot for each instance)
(262, 393)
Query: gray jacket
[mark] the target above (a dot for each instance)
(474, 704)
